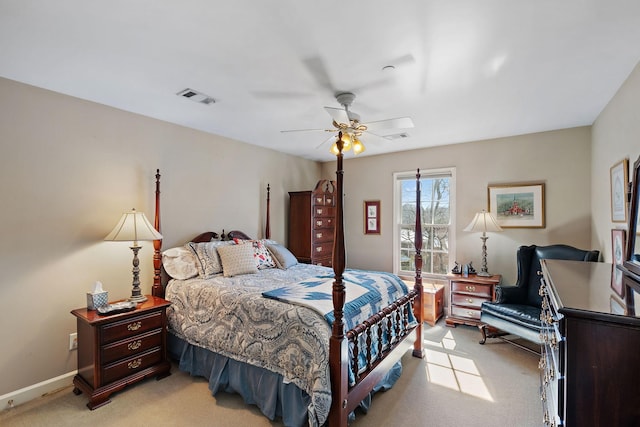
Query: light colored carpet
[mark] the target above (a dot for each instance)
(458, 383)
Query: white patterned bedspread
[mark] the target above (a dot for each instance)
(231, 317)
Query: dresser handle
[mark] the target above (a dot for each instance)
(134, 326)
(319, 211)
(134, 345)
(471, 288)
(469, 300)
(470, 313)
(319, 249)
(319, 235)
(134, 364)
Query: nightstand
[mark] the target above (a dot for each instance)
(115, 351)
(466, 295)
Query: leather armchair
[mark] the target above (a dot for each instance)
(517, 308)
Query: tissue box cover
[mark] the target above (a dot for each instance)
(97, 299)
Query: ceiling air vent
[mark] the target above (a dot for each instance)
(397, 136)
(196, 96)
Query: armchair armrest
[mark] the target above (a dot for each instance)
(510, 294)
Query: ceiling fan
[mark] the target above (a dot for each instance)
(350, 128)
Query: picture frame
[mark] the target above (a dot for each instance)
(517, 205)
(619, 181)
(618, 245)
(372, 217)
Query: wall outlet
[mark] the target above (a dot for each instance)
(73, 341)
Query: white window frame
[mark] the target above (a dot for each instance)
(397, 212)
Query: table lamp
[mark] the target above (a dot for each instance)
(133, 227)
(483, 221)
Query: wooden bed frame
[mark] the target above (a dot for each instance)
(345, 398)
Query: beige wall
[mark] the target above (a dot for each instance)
(616, 135)
(69, 168)
(561, 159)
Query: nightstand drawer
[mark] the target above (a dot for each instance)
(131, 346)
(472, 288)
(126, 328)
(131, 365)
(468, 300)
(469, 313)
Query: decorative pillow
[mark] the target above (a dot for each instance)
(179, 263)
(282, 256)
(261, 254)
(207, 258)
(237, 260)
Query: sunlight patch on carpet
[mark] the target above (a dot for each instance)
(454, 371)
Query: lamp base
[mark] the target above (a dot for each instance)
(484, 274)
(137, 298)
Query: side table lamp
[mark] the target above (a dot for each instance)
(483, 221)
(133, 227)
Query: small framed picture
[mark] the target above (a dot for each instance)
(619, 184)
(517, 205)
(618, 244)
(372, 217)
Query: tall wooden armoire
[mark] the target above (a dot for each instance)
(311, 223)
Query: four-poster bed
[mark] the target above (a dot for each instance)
(359, 358)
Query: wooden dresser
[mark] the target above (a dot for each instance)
(466, 295)
(590, 362)
(311, 223)
(115, 351)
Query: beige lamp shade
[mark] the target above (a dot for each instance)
(133, 227)
(483, 221)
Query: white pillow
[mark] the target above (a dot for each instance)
(237, 260)
(179, 263)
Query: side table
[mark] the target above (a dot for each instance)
(466, 295)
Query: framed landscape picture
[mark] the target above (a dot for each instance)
(517, 205)
(619, 183)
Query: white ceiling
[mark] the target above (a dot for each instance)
(465, 69)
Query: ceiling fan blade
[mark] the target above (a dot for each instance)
(319, 72)
(304, 130)
(331, 138)
(399, 123)
(339, 115)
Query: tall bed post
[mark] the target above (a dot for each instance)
(267, 227)
(417, 308)
(157, 289)
(338, 356)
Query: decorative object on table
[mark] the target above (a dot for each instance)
(456, 268)
(97, 298)
(134, 227)
(517, 205)
(372, 217)
(483, 221)
(470, 268)
(619, 175)
(618, 244)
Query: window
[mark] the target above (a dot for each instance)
(437, 209)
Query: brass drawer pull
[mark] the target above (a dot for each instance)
(319, 235)
(134, 326)
(470, 288)
(134, 364)
(134, 345)
(469, 300)
(319, 211)
(319, 249)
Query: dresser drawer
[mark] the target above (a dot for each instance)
(325, 262)
(131, 365)
(323, 235)
(472, 289)
(323, 223)
(324, 211)
(468, 300)
(470, 313)
(131, 346)
(321, 250)
(125, 328)
(323, 200)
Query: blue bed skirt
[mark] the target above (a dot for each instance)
(257, 386)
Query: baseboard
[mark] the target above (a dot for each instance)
(35, 391)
